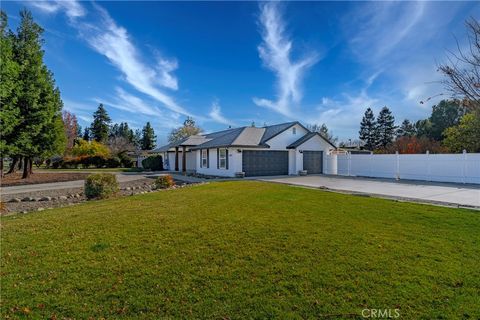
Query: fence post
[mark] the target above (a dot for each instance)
(464, 166)
(398, 165)
(429, 171)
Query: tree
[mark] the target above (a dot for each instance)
(323, 130)
(423, 128)
(367, 130)
(9, 111)
(90, 149)
(122, 130)
(86, 134)
(137, 138)
(189, 128)
(385, 129)
(414, 145)
(119, 145)
(70, 124)
(463, 70)
(149, 139)
(39, 103)
(406, 129)
(101, 124)
(447, 113)
(464, 136)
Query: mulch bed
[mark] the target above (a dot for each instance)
(15, 179)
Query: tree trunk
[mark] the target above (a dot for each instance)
(13, 165)
(20, 163)
(30, 166)
(26, 168)
(1, 167)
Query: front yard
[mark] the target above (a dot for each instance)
(241, 250)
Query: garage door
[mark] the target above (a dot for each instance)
(264, 163)
(312, 161)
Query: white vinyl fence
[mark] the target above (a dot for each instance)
(462, 168)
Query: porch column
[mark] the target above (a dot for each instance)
(184, 159)
(176, 158)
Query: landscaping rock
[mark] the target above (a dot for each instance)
(63, 198)
(40, 209)
(46, 199)
(14, 200)
(27, 199)
(128, 188)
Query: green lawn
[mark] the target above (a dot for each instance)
(236, 250)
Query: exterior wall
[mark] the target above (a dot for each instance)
(281, 141)
(316, 143)
(462, 168)
(212, 168)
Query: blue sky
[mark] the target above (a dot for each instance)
(231, 63)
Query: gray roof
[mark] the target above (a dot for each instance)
(237, 137)
(272, 131)
(307, 137)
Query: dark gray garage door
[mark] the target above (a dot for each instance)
(264, 163)
(312, 161)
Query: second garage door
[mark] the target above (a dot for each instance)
(264, 163)
(312, 161)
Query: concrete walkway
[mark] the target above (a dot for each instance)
(435, 193)
(121, 177)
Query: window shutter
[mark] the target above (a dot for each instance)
(226, 159)
(218, 158)
(208, 158)
(200, 158)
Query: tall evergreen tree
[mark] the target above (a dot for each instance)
(9, 111)
(149, 139)
(137, 138)
(407, 129)
(101, 125)
(86, 134)
(39, 102)
(367, 132)
(446, 114)
(385, 129)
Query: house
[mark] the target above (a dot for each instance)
(280, 149)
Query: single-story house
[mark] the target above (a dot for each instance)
(280, 149)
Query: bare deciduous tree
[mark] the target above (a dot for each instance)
(463, 68)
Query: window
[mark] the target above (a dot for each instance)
(204, 158)
(294, 130)
(222, 158)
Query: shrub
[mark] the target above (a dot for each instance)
(125, 160)
(154, 163)
(164, 182)
(101, 186)
(113, 162)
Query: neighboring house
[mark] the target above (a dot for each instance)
(280, 149)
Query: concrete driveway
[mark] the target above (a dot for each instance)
(435, 193)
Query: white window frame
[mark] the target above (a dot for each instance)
(222, 158)
(204, 158)
(294, 130)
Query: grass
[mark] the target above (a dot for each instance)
(241, 250)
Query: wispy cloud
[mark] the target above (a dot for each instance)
(73, 9)
(275, 52)
(216, 114)
(107, 38)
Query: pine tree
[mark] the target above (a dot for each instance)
(149, 138)
(137, 138)
(367, 132)
(86, 134)
(101, 125)
(406, 129)
(9, 111)
(385, 129)
(188, 129)
(39, 102)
